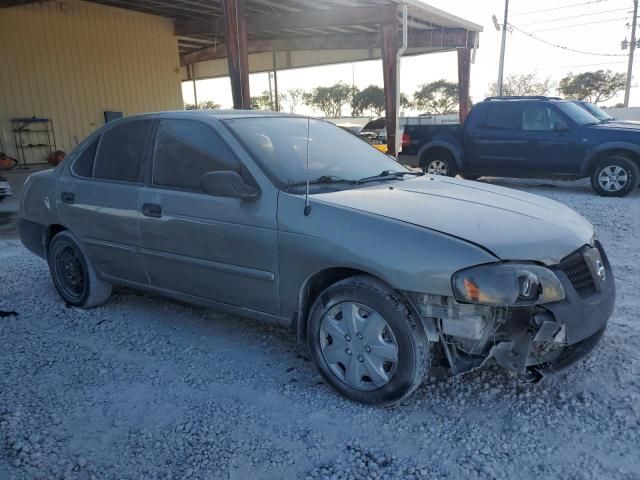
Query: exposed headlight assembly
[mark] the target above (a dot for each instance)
(507, 284)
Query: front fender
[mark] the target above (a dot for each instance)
(405, 256)
(593, 153)
(450, 145)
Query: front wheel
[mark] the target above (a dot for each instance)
(367, 342)
(73, 274)
(615, 176)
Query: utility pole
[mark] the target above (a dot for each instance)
(502, 47)
(632, 49)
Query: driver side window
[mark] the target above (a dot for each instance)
(538, 117)
(187, 149)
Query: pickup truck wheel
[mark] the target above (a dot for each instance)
(73, 274)
(615, 176)
(439, 163)
(367, 342)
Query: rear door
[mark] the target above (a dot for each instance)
(97, 199)
(553, 140)
(493, 144)
(216, 248)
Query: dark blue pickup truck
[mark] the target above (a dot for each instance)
(530, 137)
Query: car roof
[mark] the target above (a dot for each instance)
(218, 114)
(524, 98)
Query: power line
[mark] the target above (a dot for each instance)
(573, 25)
(562, 47)
(574, 16)
(595, 64)
(530, 12)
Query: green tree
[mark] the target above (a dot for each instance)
(523, 84)
(292, 99)
(405, 102)
(595, 87)
(330, 100)
(437, 97)
(262, 101)
(206, 105)
(370, 99)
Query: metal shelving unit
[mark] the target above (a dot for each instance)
(33, 133)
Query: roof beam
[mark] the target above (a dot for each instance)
(442, 39)
(336, 17)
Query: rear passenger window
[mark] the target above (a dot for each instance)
(187, 149)
(498, 116)
(83, 166)
(120, 152)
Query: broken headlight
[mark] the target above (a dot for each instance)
(507, 284)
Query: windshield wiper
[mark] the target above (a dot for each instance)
(389, 175)
(322, 180)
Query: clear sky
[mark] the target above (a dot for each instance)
(595, 26)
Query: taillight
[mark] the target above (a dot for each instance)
(406, 140)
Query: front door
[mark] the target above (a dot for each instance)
(553, 139)
(215, 248)
(97, 198)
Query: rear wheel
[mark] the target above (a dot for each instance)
(439, 162)
(366, 341)
(615, 176)
(73, 274)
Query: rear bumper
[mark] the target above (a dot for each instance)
(32, 236)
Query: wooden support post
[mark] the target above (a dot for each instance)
(390, 76)
(237, 56)
(464, 72)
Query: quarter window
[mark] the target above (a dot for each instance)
(120, 153)
(187, 149)
(83, 166)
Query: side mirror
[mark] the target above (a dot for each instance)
(227, 184)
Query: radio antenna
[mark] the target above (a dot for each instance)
(307, 207)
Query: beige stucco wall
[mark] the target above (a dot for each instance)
(72, 60)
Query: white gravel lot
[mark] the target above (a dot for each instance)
(143, 387)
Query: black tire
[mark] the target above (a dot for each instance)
(73, 274)
(468, 176)
(607, 179)
(413, 347)
(439, 161)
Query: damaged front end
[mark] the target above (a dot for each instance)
(527, 318)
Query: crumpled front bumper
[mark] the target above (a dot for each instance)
(575, 325)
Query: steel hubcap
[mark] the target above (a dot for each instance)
(613, 178)
(437, 167)
(358, 346)
(69, 271)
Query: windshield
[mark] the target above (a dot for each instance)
(577, 114)
(280, 145)
(596, 111)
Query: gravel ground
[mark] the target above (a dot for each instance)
(143, 387)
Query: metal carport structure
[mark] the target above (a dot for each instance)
(237, 37)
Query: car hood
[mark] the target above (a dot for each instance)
(618, 125)
(512, 225)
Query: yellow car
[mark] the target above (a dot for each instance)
(380, 146)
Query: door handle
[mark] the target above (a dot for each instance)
(67, 197)
(152, 210)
